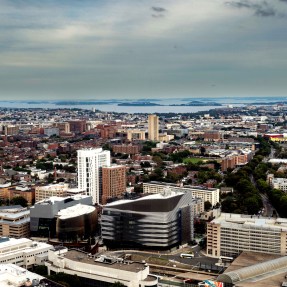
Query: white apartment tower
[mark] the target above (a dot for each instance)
(90, 162)
(153, 128)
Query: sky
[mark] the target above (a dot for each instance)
(103, 49)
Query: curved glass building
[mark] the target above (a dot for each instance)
(76, 222)
(157, 221)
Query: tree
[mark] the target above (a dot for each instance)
(67, 279)
(41, 270)
(19, 200)
(252, 205)
(207, 205)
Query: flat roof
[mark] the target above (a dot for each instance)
(76, 210)
(227, 219)
(15, 215)
(27, 245)
(195, 276)
(54, 199)
(169, 194)
(13, 275)
(82, 257)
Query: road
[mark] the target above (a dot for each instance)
(268, 208)
(271, 155)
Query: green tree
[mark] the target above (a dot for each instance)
(207, 205)
(252, 205)
(19, 200)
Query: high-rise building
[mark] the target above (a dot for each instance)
(114, 182)
(153, 128)
(90, 163)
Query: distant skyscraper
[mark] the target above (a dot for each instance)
(153, 128)
(90, 163)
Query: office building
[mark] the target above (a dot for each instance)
(277, 182)
(46, 191)
(43, 215)
(77, 126)
(90, 163)
(158, 221)
(135, 134)
(101, 271)
(51, 131)
(14, 221)
(128, 149)
(153, 128)
(8, 192)
(64, 128)
(206, 194)
(230, 234)
(211, 135)
(23, 252)
(10, 130)
(113, 182)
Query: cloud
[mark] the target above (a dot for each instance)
(158, 9)
(262, 9)
(158, 12)
(82, 48)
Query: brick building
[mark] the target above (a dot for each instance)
(113, 182)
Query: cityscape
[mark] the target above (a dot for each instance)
(92, 198)
(143, 143)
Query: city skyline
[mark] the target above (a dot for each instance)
(77, 50)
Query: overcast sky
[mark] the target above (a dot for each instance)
(99, 49)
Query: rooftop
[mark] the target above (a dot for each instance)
(53, 199)
(228, 219)
(13, 275)
(159, 203)
(76, 210)
(109, 262)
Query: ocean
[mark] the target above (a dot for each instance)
(165, 108)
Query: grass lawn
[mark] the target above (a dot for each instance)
(194, 160)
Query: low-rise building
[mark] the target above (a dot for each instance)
(135, 134)
(46, 191)
(206, 194)
(14, 221)
(277, 182)
(8, 192)
(12, 275)
(128, 149)
(23, 252)
(230, 234)
(101, 271)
